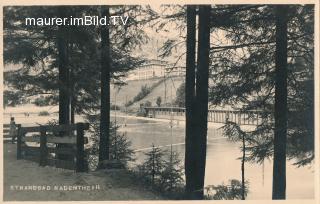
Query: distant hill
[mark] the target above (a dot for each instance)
(166, 89)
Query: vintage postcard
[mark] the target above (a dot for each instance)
(160, 101)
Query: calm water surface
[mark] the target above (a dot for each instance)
(222, 162)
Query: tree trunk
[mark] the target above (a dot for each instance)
(189, 98)
(73, 103)
(242, 168)
(105, 90)
(64, 99)
(200, 105)
(72, 96)
(280, 109)
(64, 83)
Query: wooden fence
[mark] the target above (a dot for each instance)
(7, 133)
(49, 143)
(216, 116)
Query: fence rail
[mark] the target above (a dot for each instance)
(64, 141)
(9, 132)
(6, 131)
(216, 116)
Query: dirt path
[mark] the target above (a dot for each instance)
(47, 183)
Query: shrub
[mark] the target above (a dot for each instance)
(142, 111)
(180, 96)
(171, 176)
(129, 103)
(231, 191)
(145, 90)
(153, 165)
(159, 101)
(120, 147)
(163, 171)
(147, 104)
(42, 101)
(114, 107)
(44, 113)
(13, 98)
(53, 122)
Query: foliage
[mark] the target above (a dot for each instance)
(35, 48)
(153, 165)
(163, 171)
(53, 122)
(145, 90)
(230, 191)
(147, 104)
(180, 95)
(159, 101)
(13, 98)
(45, 100)
(254, 150)
(120, 146)
(44, 113)
(171, 176)
(243, 74)
(114, 107)
(243, 70)
(233, 131)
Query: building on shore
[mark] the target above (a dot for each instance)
(155, 69)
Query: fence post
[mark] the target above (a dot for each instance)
(43, 147)
(19, 141)
(80, 162)
(12, 130)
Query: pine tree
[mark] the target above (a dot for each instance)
(242, 71)
(247, 80)
(171, 178)
(189, 99)
(234, 132)
(201, 102)
(244, 74)
(153, 165)
(35, 48)
(105, 89)
(280, 109)
(55, 59)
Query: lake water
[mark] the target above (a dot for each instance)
(222, 162)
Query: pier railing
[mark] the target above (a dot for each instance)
(217, 116)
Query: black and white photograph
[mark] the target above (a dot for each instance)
(160, 101)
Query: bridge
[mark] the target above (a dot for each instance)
(217, 116)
